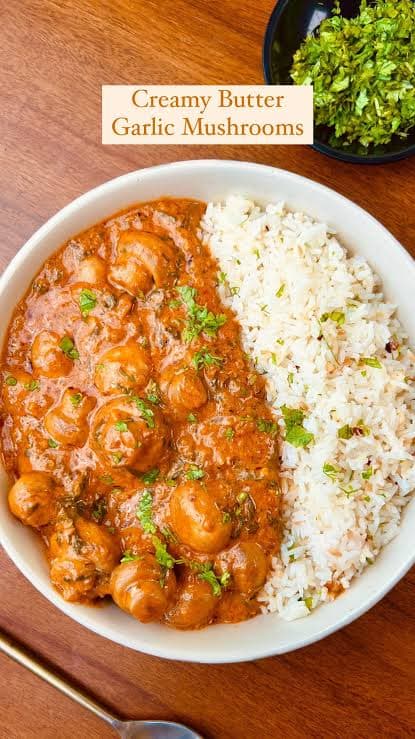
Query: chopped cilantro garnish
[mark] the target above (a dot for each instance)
(371, 362)
(290, 378)
(169, 535)
(192, 418)
(99, 510)
(222, 277)
(144, 513)
(76, 399)
(296, 434)
(87, 301)
(173, 304)
(32, 385)
(337, 316)
(229, 433)
(225, 579)
(349, 490)
(117, 457)
(146, 412)
(11, 381)
(68, 347)
(226, 518)
(367, 473)
(206, 573)
(308, 602)
(346, 432)
(128, 556)
(203, 358)
(266, 426)
(121, 426)
(331, 471)
(200, 319)
(194, 473)
(362, 72)
(163, 557)
(280, 291)
(153, 393)
(151, 476)
(53, 444)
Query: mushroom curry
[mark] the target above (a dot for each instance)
(135, 428)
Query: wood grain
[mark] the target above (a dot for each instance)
(55, 54)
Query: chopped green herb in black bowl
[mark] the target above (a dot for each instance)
(366, 89)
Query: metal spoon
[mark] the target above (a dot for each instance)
(126, 729)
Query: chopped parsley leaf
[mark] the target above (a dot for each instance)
(76, 399)
(32, 385)
(296, 434)
(153, 394)
(367, 473)
(337, 316)
(229, 433)
(280, 291)
(331, 471)
(200, 319)
(346, 432)
(203, 358)
(68, 347)
(207, 574)
(169, 535)
(194, 473)
(117, 457)
(362, 70)
(11, 381)
(128, 556)
(121, 426)
(371, 362)
(349, 490)
(87, 301)
(266, 426)
(163, 557)
(151, 476)
(99, 510)
(192, 418)
(146, 412)
(53, 444)
(144, 513)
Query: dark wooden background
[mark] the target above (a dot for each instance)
(54, 56)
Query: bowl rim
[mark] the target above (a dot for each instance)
(81, 614)
(319, 146)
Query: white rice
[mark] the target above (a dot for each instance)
(334, 526)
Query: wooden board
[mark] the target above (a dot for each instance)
(54, 56)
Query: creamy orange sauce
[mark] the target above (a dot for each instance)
(136, 428)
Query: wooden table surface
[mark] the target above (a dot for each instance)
(55, 54)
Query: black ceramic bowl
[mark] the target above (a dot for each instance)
(290, 22)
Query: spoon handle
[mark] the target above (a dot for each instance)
(17, 652)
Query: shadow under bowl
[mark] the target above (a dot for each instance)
(290, 22)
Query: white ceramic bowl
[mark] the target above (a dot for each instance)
(210, 180)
